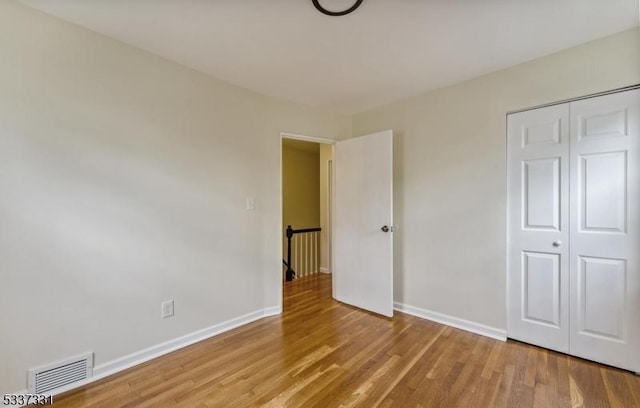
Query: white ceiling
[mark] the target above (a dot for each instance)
(386, 50)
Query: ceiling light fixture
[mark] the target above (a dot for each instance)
(336, 13)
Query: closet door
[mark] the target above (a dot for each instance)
(538, 206)
(605, 229)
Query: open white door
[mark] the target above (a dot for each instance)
(363, 239)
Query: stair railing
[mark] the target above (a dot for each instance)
(306, 251)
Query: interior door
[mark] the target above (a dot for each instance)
(363, 220)
(538, 250)
(605, 229)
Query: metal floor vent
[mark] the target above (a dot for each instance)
(56, 375)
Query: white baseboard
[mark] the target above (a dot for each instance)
(112, 367)
(272, 311)
(324, 270)
(458, 323)
(158, 350)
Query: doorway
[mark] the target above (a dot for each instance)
(306, 197)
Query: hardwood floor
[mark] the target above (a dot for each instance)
(321, 353)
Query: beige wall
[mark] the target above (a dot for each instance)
(326, 155)
(124, 179)
(300, 188)
(450, 176)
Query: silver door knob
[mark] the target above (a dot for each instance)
(557, 243)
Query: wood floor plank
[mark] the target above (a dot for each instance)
(618, 392)
(321, 353)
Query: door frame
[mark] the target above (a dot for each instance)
(313, 139)
(506, 156)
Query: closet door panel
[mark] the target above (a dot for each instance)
(538, 268)
(605, 229)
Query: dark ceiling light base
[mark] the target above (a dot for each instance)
(336, 13)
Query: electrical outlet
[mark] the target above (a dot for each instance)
(251, 204)
(167, 308)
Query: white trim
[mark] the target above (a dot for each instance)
(286, 135)
(158, 350)
(120, 364)
(507, 298)
(281, 276)
(332, 226)
(324, 270)
(578, 98)
(272, 311)
(458, 323)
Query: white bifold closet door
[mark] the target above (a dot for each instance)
(574, 228)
